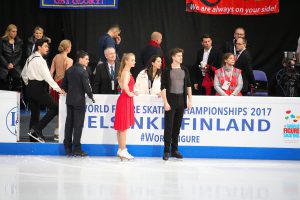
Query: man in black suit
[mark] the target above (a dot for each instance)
(106, 74)
(76, 84)
(244, 62)
(229, 46)
(203, 72)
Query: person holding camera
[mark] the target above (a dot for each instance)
(208, 60)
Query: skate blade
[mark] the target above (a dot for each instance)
(37, 138)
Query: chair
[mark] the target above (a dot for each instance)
(261, 84)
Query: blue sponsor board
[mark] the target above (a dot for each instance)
(79, 4)
(155, 151)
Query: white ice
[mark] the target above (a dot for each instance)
(106, 178)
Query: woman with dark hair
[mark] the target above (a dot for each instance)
(149, 80)
(228, 79)
(10, 57)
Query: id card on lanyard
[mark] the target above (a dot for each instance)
(226, 83)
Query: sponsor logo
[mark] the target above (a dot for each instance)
(291, 127)
(12, 120)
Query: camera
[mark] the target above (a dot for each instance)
(291, 77)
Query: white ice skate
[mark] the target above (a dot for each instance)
(124, 155)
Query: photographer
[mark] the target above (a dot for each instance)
(287, 80)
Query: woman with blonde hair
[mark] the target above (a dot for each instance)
(124, 115)
(10, 57)
(38, 33)
(60, 63)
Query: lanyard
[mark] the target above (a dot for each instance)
(230, 75)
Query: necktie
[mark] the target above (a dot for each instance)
(112, 72)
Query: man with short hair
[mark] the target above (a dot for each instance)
(244, 63)
(35, 74)
(229, 46)
(175, 87)
(111, 39)
(76, 84)
(208, 60)
(152, 48)
(106, 74)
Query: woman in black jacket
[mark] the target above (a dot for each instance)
(10, 57)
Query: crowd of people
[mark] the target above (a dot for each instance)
(220, 72)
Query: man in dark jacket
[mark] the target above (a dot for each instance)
(76, 84)
(244, 63)
(106, 74)
(203, 73)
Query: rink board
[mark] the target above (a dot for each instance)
(216, 127)
(155, 151)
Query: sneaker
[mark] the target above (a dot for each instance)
(176, 154)
(36, 135)
(125, 155)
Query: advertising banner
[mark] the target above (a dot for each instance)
(233, 7)
(270, 122)
(79, 4)
(10, 116)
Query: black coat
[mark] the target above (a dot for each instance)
(9, 56)
(76, 83)
(102, 81)
(244, 63)
(214, 59)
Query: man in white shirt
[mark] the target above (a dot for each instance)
(35, 75)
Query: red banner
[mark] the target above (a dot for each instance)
(233, 7)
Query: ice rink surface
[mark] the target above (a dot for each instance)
(107, 178)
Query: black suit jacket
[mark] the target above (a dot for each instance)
(244, 62)
(214, 59)
(102, 81)
(76, 83)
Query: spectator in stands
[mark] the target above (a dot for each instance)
(60, 63)
(149, 80)
(208, 60)
(153, 48)
(244, 63)
(229, 46)
(111, 39)
(106, 74)
(38, 33)
(10, 57)
(228, 80)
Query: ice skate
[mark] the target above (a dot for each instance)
(124, 155)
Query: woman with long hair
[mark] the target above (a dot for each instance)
(10, 58)
(124, 115)
(149, 80)
(228, 80)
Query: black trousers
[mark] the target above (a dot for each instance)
(73, 127)
(37, 96)
(173, 119)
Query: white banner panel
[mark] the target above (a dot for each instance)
(213, 121)
(10, 116)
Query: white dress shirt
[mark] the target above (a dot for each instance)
(205, 55)
(36, 68)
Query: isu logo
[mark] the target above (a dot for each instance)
(12, 120)
(210, 3)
